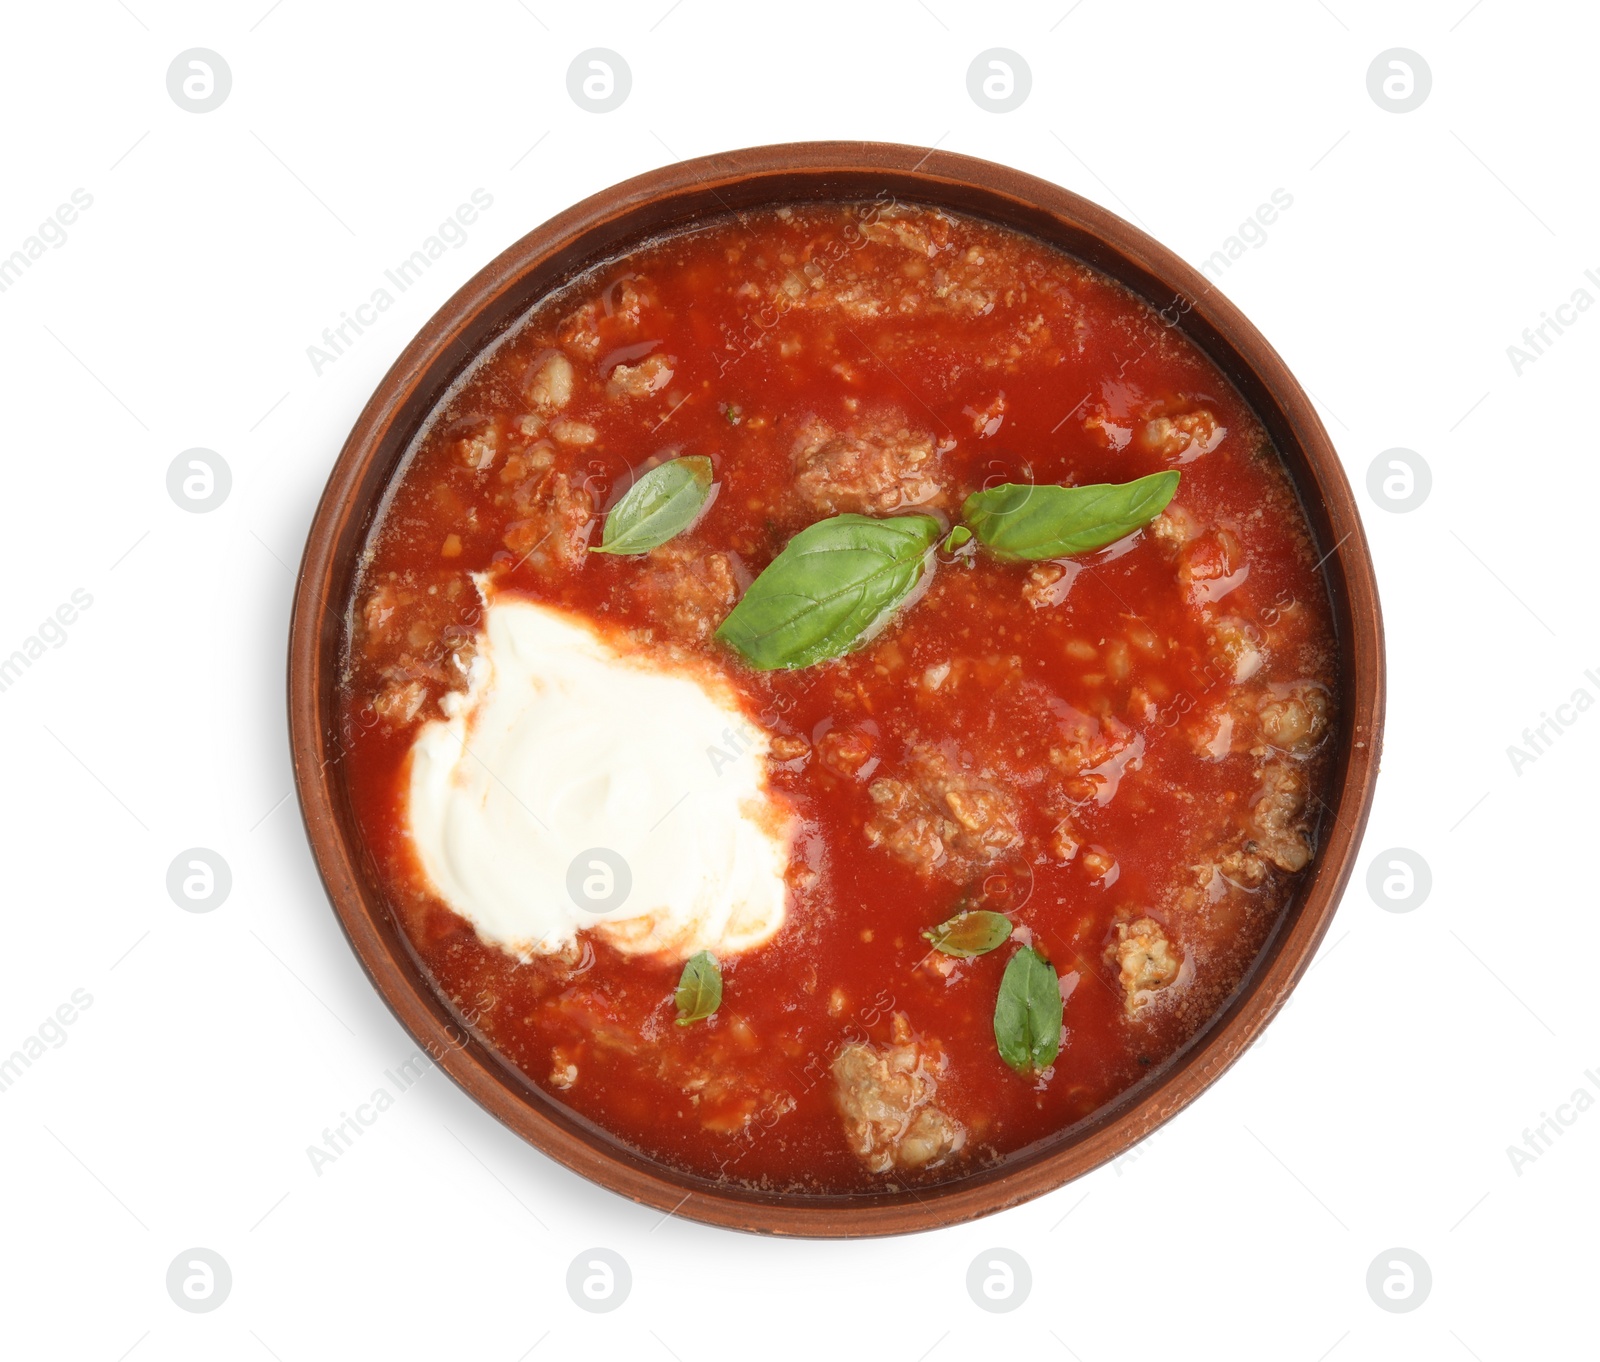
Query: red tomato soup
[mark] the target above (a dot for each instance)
(1112, 761)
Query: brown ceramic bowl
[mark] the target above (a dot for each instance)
(607, 225)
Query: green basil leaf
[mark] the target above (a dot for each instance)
(663, 503)
(971, 933)
(832, 588)
(1027, 1014)
(700, 989)
(956, 538)
(1017, 520)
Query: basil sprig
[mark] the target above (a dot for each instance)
(700, 989)
(970, 933)
(1027, 1014)
(1020, 521)
(832, 588)
(662, 504)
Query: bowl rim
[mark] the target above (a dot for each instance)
(593, 230)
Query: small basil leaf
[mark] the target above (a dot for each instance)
(969, 934)
(956, 538)
(833, 587)
(663, 503)
(1027, 1014)
(700, 989)
(1019, 521)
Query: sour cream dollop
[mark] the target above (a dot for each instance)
(576, 787)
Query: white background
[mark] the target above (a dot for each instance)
(1378, 1110)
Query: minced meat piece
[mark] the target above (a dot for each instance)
(557, 518)
(1064, 841)
(1294, 718)
(478, 451)
(1236, 647)
(379, 611)
(1277, 821)
(1146, 961)
(1243, 867)
(649, 375)
(549, 385)
(1047, 584)
(688, 590)
(400, 700)
(615, 316)
(878, 467)
(905, 826)
(936, 816)
(1182, 437)
(569, 432)
(1174, 528)
(849, 751)
(1210, 566)
(885, 1096)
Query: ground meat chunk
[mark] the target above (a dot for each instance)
(1277, 820)
(1210, 566)
(569, 432)
(1174, 528)
(1087, 753)
(1146, 961)
(478, 450)
(937, 816)
(378, 614)
(908, 230)
(649, 375)
(400, 701)
(1294, 718)
(964, 287)
(885, 1096)
(1213, 734)
(1236, 647)
(615, 316)
(849, 751)
(881, 465)
(785, 747)
(687, 590)
(1047, 584)
(1243, 867)
(1107, 431)
(557, 518)
(1182, 437)
(905, 826)
(1064, 841)
(549, 385)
